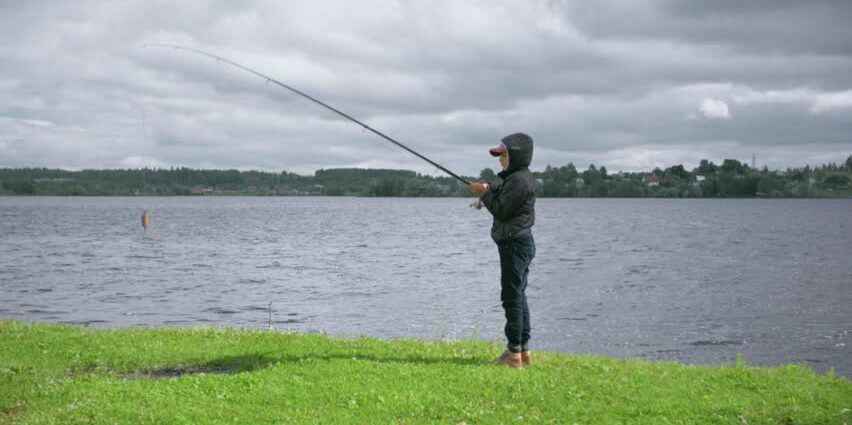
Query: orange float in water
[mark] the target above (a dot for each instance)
(146, 220)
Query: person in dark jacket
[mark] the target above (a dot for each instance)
(512, 203)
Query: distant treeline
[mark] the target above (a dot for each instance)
(187, 181)
(732, 178)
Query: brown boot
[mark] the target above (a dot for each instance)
(510, 359)
(526, 357)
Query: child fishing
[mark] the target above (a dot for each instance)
(512, 204)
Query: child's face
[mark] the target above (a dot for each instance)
(504, 160)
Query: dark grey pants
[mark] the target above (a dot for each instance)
(515, 258)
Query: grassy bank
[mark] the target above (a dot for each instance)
(61, 374)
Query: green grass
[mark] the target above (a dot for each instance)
(63, 374)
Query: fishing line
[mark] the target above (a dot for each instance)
(313, 99)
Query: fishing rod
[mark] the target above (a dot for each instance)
(313, 99)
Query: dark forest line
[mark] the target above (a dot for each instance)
(731, 178)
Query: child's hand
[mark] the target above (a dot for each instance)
(479, 188)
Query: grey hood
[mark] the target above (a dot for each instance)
(520, 147)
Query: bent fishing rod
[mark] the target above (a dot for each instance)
(311, 98)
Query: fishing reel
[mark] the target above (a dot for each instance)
(477, 204)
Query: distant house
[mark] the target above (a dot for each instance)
(196, 190)
(699, 178)
(652, 180)
(579, 182)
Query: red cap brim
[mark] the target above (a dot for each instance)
(498, 150)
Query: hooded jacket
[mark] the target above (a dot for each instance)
(512, 202)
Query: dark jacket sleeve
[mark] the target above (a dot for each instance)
(506, 200)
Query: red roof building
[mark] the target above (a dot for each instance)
(652, 180)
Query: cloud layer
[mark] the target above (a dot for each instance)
(629, 86)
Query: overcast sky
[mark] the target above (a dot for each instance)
(629, 85)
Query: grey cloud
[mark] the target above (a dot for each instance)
(763, 26)
(613, 83)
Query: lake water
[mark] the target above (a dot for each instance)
(693, 281)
